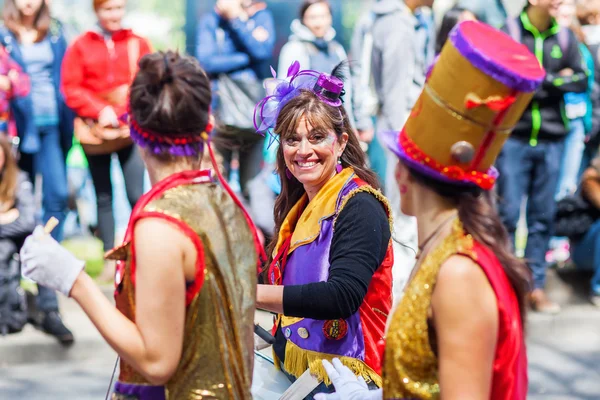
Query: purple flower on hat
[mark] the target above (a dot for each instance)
(280, 91)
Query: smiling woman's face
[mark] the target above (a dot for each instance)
(311, 154)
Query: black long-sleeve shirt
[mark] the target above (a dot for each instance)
(358, 247)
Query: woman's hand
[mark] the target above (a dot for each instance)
(347, 385)
(46, 262)
(9, 216)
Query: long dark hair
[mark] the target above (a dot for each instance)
(479, 216)
(12, 19)
(170, 94)
(451, 18)
(323, 115)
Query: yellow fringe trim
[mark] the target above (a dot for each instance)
(287, 321)
(297, 360)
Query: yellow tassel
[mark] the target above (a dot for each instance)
(297, 360)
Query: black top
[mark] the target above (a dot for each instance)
(358, 247)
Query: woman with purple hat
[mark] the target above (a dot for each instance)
(329, 277)
(457, 332)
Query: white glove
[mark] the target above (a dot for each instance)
(46, 262)
(347, 386)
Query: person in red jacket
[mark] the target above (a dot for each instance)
(97, 71)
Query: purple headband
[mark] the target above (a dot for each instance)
(279, 92)
(186, 145)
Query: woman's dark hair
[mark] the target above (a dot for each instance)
(306, 5)
(8, 175)
(451, 18)
(170, 94)
(479, 216)
(12, 19)
(322, 115)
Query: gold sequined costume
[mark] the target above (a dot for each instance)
(217, 357)
(410, 365)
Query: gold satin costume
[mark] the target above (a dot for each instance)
(218, 343)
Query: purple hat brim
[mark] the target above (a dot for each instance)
(390, 140)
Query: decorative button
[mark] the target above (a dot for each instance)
(287, 332)
(463, 152)
(303, 333)
(335, 329)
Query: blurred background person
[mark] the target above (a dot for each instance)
(44, 124)
(312, 43)
(588, 15)
(97, 70)
(399, 63)
(365, 104)
(586, 249)
(17, 220)
(578, 111)
(492, 12)
(451, 18)
(235, 45)
(14, 83)
(529, 163)
(577, 107)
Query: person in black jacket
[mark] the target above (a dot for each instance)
(530, 161)
(17, 220)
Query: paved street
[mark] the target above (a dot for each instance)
(564, 355)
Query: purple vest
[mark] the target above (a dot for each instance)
(309, 263)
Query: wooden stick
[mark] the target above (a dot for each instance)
(50, 225)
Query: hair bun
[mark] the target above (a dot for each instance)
(170, 94)
(168, 71)
(158, 73)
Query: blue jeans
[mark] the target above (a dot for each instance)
(571, 159)
(586, 255)
(50, 163)
(531, 172)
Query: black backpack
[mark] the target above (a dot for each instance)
(13, 301)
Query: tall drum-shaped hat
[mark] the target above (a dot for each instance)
(474, 95)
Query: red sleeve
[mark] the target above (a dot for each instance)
(145, 47)
(80, 99)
